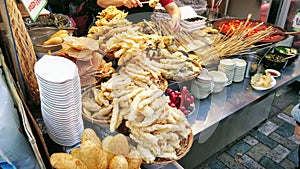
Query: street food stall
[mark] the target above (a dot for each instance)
(137, 94)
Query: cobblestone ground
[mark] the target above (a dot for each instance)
(271, 145)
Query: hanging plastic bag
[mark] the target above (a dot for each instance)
(15, 150)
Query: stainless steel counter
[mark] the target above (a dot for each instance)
(224, 117)
(234, 98)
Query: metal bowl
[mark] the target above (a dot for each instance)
(285, 52)
(274, 61)
(41, 34)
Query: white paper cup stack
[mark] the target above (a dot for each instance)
(60, 94)
(239, 70)
(202, 86)
(219, 79)
(227, 66)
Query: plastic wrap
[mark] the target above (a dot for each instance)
(14, 148)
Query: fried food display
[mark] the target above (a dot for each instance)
(134, 96)
(110, 18)
(109, 15)
(175, 66)
(92, 155)
(66, 161)
(84, 52)
(156, 127)
(57, 38)
(118, 162)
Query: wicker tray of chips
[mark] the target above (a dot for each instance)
(89, 94)
(186, 146)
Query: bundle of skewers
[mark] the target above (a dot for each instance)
(237, 42)
(185, 39)
(220, 45)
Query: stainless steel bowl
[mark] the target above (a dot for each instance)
(41, 34)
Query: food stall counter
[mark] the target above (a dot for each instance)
(224, 117)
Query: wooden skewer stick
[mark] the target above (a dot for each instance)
(289, 57)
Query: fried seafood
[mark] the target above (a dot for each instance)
(92, 68)
(157, 129)
(95, 105)
(107, 31)
(148, 116)
(109, 15)
(172, 65)
(109, 19)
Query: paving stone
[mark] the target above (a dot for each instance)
(274, 111)
(229, 161)
(287, 164)
(278, 153)
(264, 139)
(293, 156)
(267, 128)
(250, 140)
(268, 163)
(250, 163)
(277, 120)
(285, 130)
(258, 151)
(285, 100)
(240, 147)
(282, 91)
(293, 139)
(288, 109)
(217, 164)
(203, 167)
(283, 141)
(286, 118)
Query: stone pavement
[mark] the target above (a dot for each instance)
(271, 145)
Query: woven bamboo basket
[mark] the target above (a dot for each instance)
(186, 145)
(88, 93)
(25, 51)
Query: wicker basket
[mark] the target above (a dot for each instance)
(89, 94)
(186, 146)
(25, 51)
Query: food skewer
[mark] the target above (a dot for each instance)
(212, 4)
(286, 58)
(218, 3)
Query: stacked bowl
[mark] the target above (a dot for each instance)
(60, 94)
(203, 85)
(239, 70)
(220, 80)
(227, 66)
